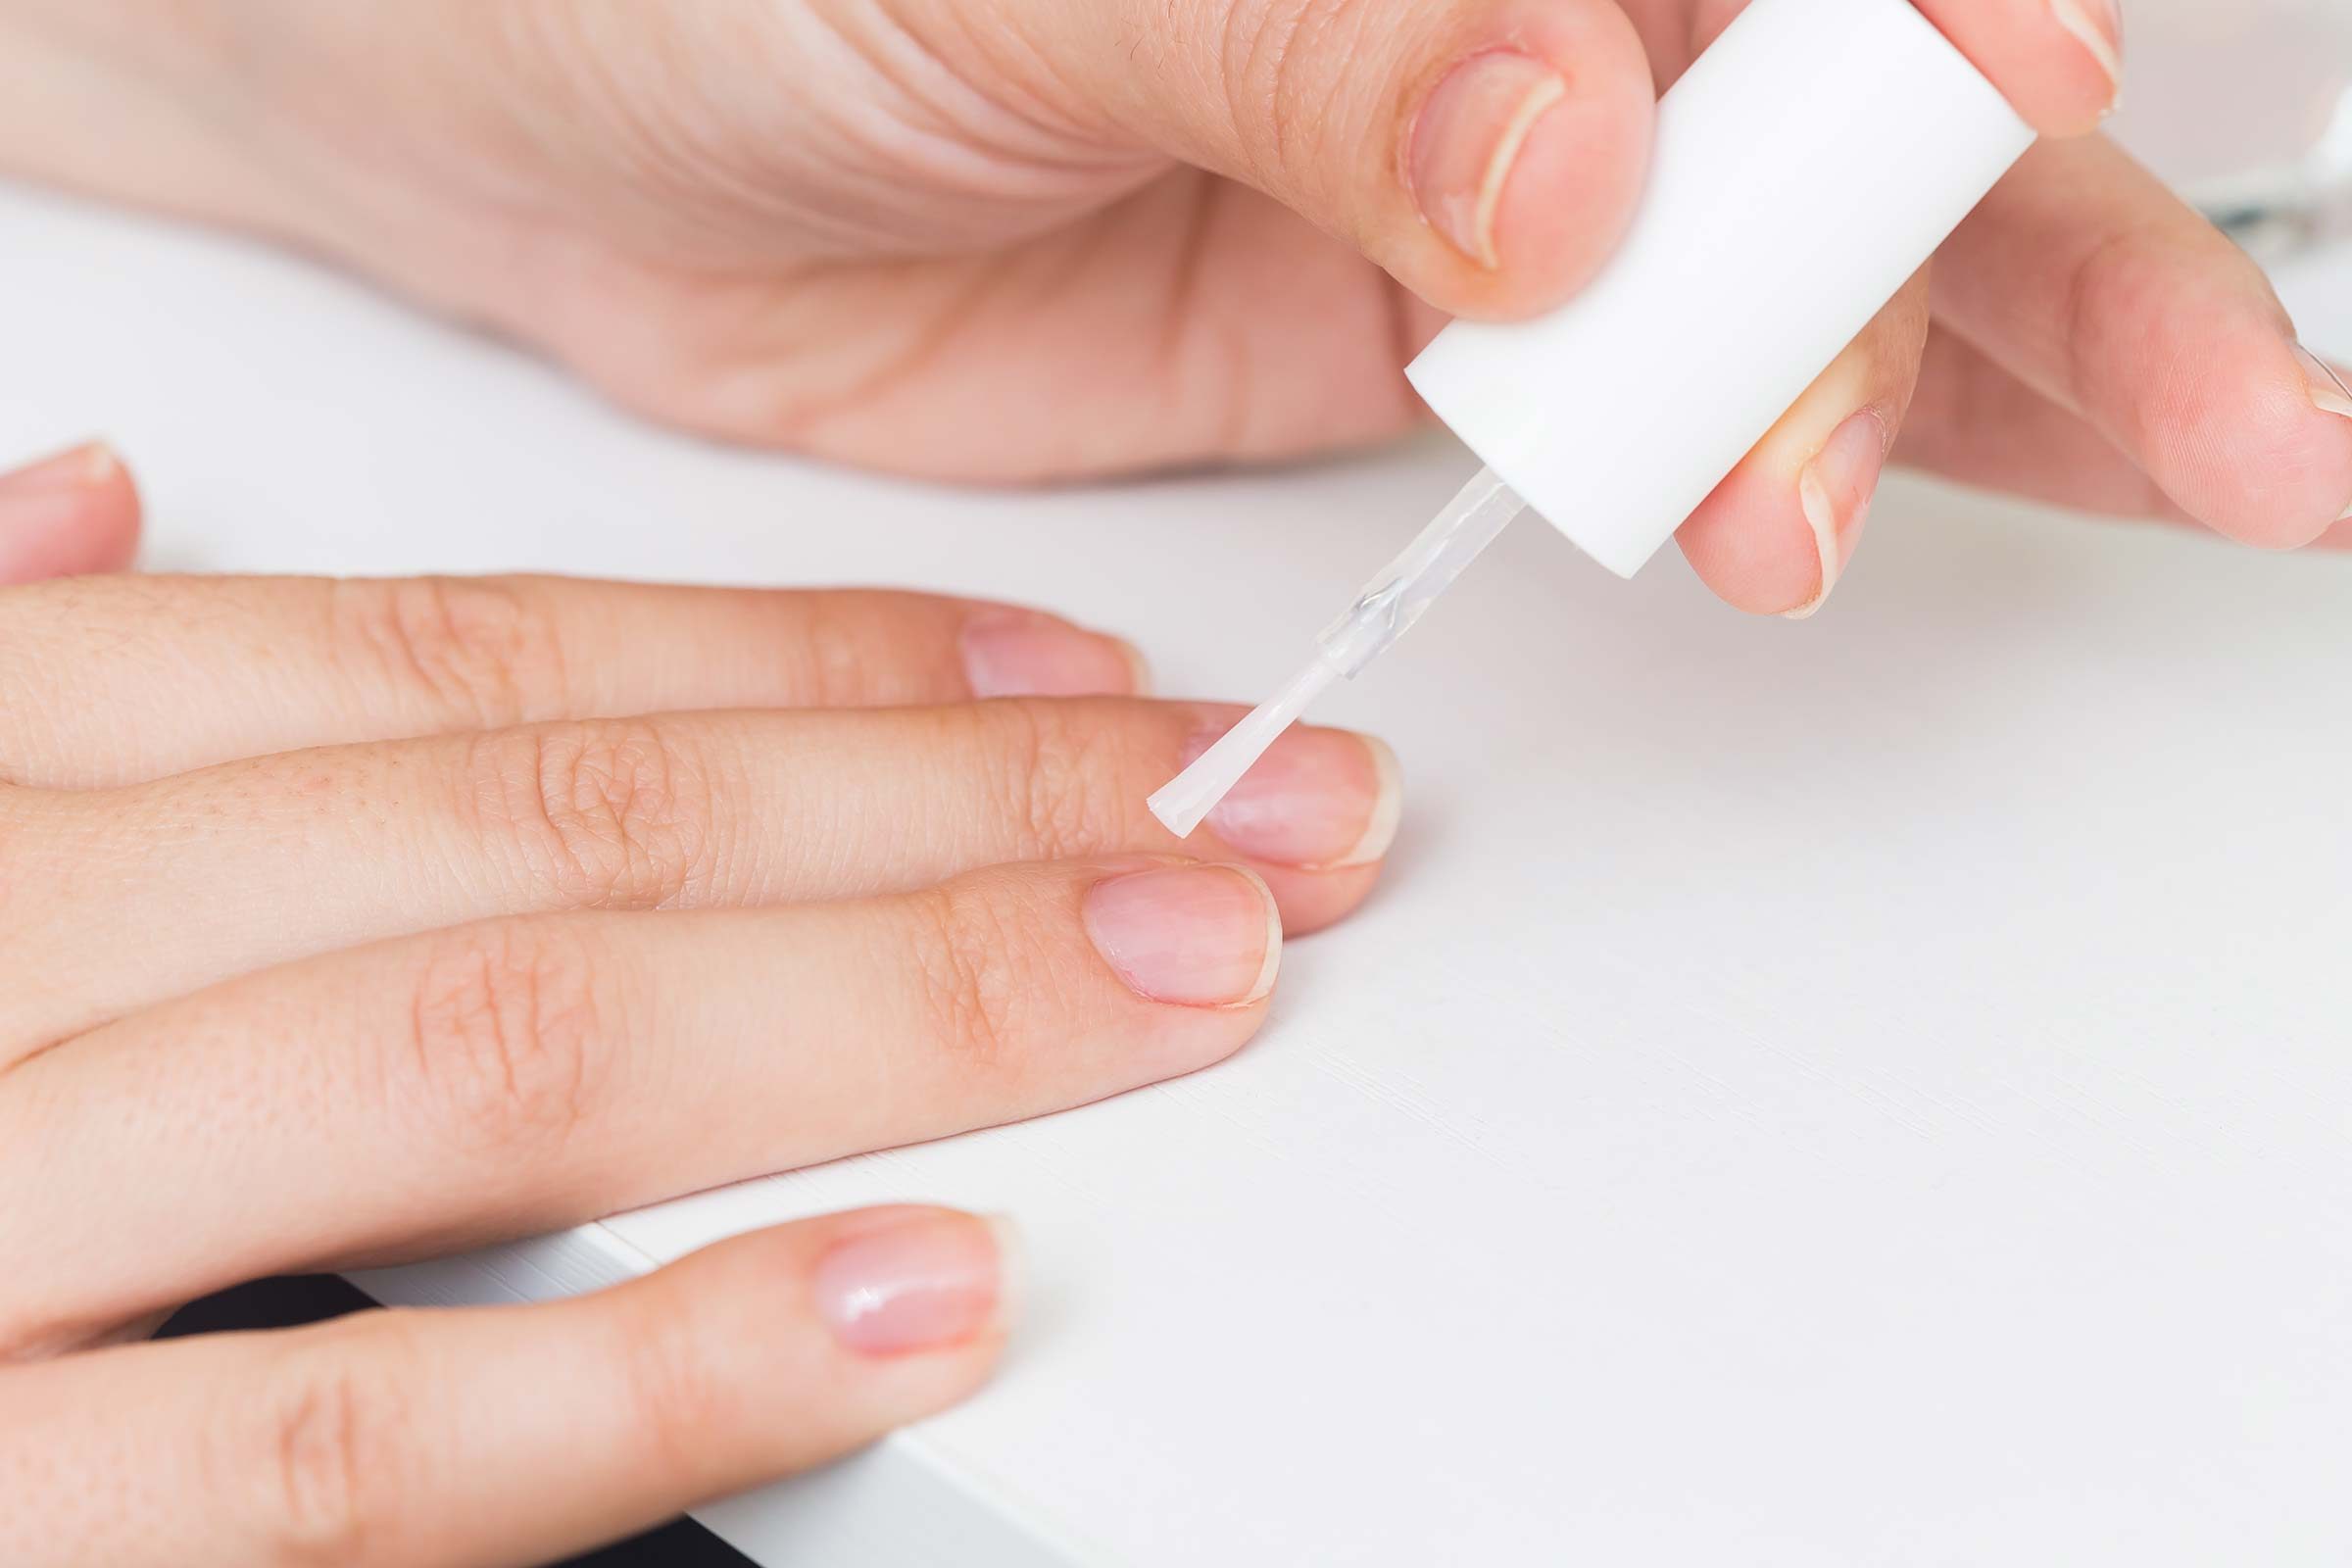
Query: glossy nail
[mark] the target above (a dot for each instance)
(1835, 490)
(2329, 393)
(1320, 799)
(1012, 654)
(926, 1283)
(1196, 936)
(44, 513)
(83, 468)
(2098, 24)
(1467, 139)
(2327, 388)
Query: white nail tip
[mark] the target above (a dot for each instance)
(1012, 1270)
(1822, 517)
(1533, 106)
(1139, 669)
(2076, 18)
(1272, 966)
(1388, 811)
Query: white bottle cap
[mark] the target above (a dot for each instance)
(1811, 161)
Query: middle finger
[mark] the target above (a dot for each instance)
(258, 863)
(2087, 279)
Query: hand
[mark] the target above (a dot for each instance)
(505, 1435)
(1009, 239)
(344, 923)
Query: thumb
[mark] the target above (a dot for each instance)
(1487, 153)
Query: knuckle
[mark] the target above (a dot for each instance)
(505, 1032)
(678, 1404)
(47, 627)
(970, 977)
(602, 813)
(2115, 267)
(838, 656)
(1050, 767)
(478, 650)
(1280, 64)
(319, 1452)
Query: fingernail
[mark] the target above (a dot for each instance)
(1835, 491)
(1195, 936)
(1320, 799)
(83, 468)
(2327, 388)
(1467, 137)
(1018, 654)
(930, 1282)
(42, 513)
(2100, 26)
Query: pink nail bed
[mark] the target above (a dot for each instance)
(924, 1284)
(47, 527)
(1030, 656)
(1319, 798)
(1197, 936)
(84, 467)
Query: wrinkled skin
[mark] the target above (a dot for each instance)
(1028, 239)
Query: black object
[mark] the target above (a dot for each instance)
(282, 1303)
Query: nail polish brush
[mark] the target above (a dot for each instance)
(1809, 162)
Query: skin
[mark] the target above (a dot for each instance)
(985, 240)
(418, 879)
(398, 1438)
(1019, 240)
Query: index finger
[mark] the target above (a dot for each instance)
(2059, 61)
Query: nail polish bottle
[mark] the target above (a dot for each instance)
(1808, 164)
(1805, 166)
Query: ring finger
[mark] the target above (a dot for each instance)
(519, 1075)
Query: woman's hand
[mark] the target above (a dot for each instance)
(505, 1435)
(1018, 238)
(343, 923)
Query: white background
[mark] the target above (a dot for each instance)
(1868, 1091)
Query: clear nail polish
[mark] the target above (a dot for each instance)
(2098, 25)
(83, 467)
(930, 1282)
(1834, 492)
(1018, 654)
(2329, 390)
(1193, 936)
(1319, 800)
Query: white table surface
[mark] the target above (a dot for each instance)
(1870, 1092)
